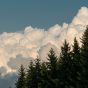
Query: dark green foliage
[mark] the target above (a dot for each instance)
(52, 63)
(31, 76)
(65, 62)
(52, 69)
(38, 73)
(33, 79)
(21, 80)
(44, 75)
(76, 50)
(84, 57)
(76, 64)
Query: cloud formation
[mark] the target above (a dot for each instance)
(33, 42)
(21, 47)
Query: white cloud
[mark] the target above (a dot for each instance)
(19, 47)
(82, 17)
(34, 41)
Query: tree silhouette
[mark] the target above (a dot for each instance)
(76, 64)
(84, 59)
(66, 66)
(21, 78)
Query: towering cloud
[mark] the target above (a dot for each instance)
(21, 47)
(81, 17)
(33, 42)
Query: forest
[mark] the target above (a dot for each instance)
(69, 70)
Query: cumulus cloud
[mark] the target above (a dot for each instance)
(81, 17)
(16, 48)
(20, 47)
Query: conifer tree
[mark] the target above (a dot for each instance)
(76, 64)
(52, 63)
(21, 78)
(38, 72)
(33, 78)
(76, 50)
(52, 69)
(84, 59)
(30, 77)
(44, 75)
(65, 66)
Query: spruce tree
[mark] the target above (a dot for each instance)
(76, 50)
(38, 73)
(52, 69)
(76, 64)
(84, 59)
(44, 75)
(21, 78)
(65, 66)
(52, 63)
(31, 76)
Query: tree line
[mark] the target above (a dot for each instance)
(69, 70)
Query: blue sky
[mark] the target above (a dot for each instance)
(15, 15)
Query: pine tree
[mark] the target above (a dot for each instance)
(76, 50)
(84, 59)
(52, 69)
(76, 64)
(21, 78)
(52, 63)
(38, 73)
(33, 79)
(31, 76)
(44, 75)
(65, 66)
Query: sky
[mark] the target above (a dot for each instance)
(30, 28)
(15, 15)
